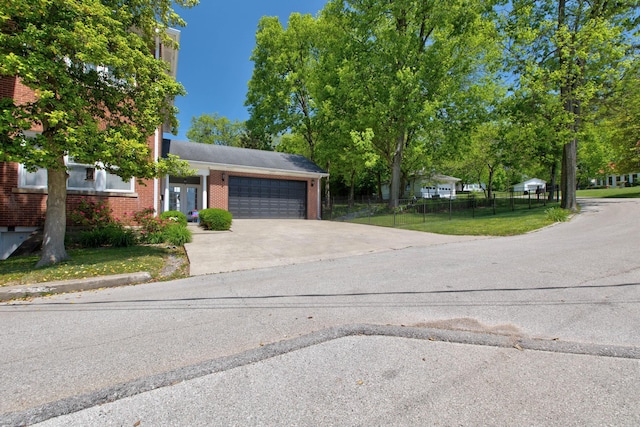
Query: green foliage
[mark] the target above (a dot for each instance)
(110, 235)
(566, 55)
(100, 93)
(170, 227)
(175, 217)
(215, 219)
(176, 235)
(280, 96)
(92, 214)
(148, 222)
(216, 129)
(557, 214)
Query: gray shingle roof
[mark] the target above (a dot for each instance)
(243, 157)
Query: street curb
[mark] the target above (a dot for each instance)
(8, 293)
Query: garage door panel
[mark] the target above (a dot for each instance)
(267, 198)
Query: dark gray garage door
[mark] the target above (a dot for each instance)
(267, 198)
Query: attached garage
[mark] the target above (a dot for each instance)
(267, 198)
(248, 183)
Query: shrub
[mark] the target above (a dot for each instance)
(215, 219)
(176, 235)
(91, 214)
(557, 214)
(152, 238)
(122, 238)
(110, 235)
(174, 217)
(149, 223)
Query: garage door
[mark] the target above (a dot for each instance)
(267, 198)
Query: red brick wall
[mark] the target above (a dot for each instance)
(25, 208)
(11, 87)
(18, 209)
(218, 193)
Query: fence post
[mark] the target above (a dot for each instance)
(513, 200)
(494, 203)
(450, 206)
(473, 207)
(529, 195)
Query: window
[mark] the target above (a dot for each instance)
(37, 179)
(81, 177)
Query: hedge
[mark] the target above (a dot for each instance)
(215, 219)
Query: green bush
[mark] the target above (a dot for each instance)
(215, 219)
(557, 214)
(176, 235)
(154, 238)
(110, 235)
(174, 217)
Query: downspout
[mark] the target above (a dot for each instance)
(156, 181)
(156, 145)
(319, 205)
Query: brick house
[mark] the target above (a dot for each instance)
(23, 194)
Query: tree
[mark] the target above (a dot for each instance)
(99, 91)
(215, 129)
(621, 116)
(569, 52)
(279, 97)
(403, 61)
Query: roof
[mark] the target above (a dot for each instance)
(440, 178)
(221, 157)
(533, 181)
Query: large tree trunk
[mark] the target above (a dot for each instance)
(396, 172)
(55, 223)
(572, 106)
(568, 182)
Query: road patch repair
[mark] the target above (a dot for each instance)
(388, 374)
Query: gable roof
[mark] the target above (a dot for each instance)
(221, 157)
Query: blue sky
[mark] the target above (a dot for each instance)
(215, 47)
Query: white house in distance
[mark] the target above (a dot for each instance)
(530, 185)
(438, 186)
(432, 187)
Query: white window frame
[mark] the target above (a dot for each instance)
(99, 179)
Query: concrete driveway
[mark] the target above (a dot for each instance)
(259, 243)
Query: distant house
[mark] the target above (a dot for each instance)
(473, 188)
(614, 181)
(530, 185)
(431, 187)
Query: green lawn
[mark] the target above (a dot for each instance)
(92, 262)
(613, 193)
(502, 224)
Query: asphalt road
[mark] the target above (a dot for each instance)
(572, 286)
